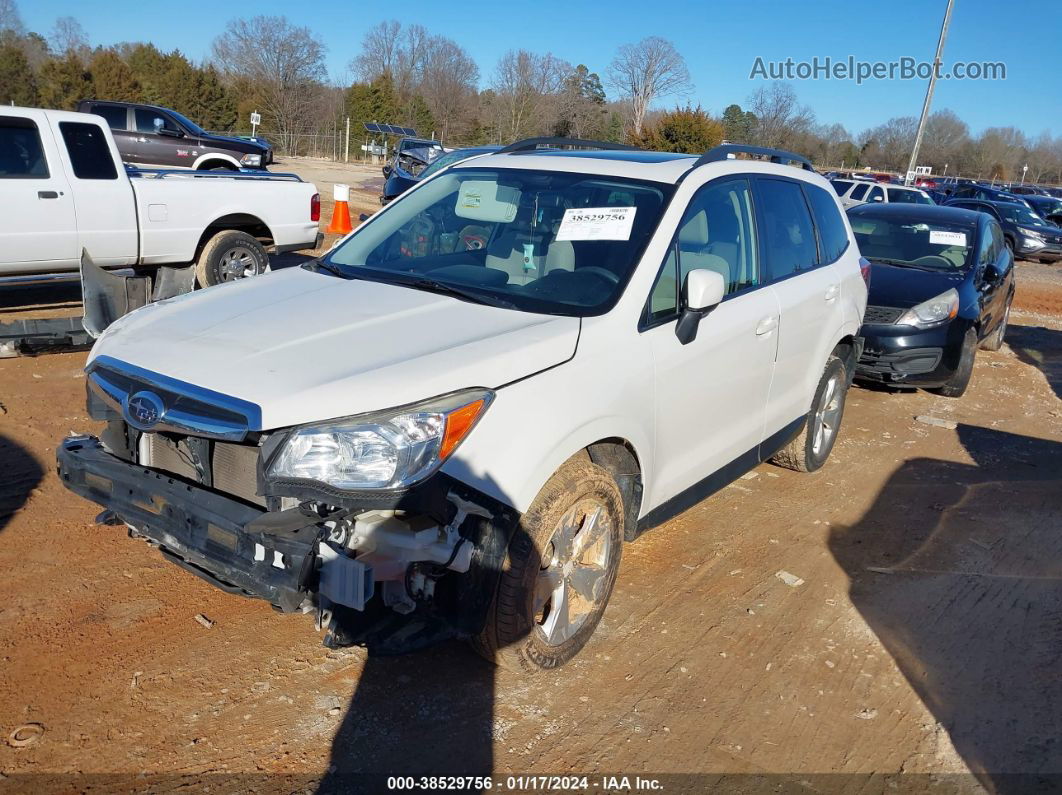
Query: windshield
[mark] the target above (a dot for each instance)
(447, 160)
(900, 196)
(541, 241)
(194, 128)
(914, 244)
(1048, 206)
(1017, 214)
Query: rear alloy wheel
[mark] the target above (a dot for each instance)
(560, 571)
(994, 341)
(956, 385)
(229, 256)
(809, 451)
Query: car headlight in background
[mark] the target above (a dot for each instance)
(251, 160)
(928, 313)
(1033, 239)
(385, 450)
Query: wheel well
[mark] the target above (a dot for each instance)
(242, 222)
(216, 163)
(618, 457)
(847, 350)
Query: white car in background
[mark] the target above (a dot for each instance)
(465, 409)
(858, 191)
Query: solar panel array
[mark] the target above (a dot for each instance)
(389, 129)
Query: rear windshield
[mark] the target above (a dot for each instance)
(914, 243)
(900, 196)
(539, 241)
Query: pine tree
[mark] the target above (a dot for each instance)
(685, 129)
(112, 78)
(18, 85)
(216, 107)
(178, 84)
(63, 81)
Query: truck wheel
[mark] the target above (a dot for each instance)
(559, 571)
(809, 451)
(228, 256)
(994, 341)
(956, 385)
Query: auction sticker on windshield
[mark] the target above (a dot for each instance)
(597, 223)
(940, 238)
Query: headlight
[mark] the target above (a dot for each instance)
(1033, 240)
(928, 313)
(251, 160)
(384, 450)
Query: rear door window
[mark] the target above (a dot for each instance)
(833, 236)
(117, 117)
(90, 156)
(859, 191)
(21, 153)
(787, 228)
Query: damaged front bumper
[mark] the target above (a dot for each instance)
(200, 530)
(355, 569)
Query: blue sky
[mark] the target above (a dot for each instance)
(720, 41)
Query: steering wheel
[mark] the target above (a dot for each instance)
(604, 273)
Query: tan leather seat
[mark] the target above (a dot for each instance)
(693, 249)
(506, 253)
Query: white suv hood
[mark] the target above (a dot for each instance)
(307, 346)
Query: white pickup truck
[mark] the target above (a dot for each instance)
(65, 192)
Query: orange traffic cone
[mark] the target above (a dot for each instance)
(340, 224)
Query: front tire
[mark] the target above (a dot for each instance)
(559, 571)
(810, 449)
(994, 341)
(956, 385)
(229, 256)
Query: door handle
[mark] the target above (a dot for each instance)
(767, 325)
(831, 292)
(47, 194)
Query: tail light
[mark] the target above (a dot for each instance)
(315, 207)
(864, 270)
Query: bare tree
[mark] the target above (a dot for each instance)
(526, 84)
(284, 64)
(647, 71)
(780, 119)
(10, 19)
(68, 36)
(448, 83)
(379, 52)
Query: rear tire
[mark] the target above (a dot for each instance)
(229, 256)
(956, 385)
(556, 581)
(810, 449)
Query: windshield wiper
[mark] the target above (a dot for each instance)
(898, 262)
(335, 270)
(453, 290)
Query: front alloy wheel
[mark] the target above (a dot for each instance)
(559, 571)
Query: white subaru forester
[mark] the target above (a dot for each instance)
(449, 424)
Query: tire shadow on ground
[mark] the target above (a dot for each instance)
(21, 474)
(957, 568)
(1041, 348)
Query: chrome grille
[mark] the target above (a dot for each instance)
(185, 408)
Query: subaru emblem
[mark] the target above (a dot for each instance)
(143, 410)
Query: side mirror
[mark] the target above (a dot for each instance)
(992, 274)
(703, 291)
(387, 170)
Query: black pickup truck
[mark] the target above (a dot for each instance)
(148, 135)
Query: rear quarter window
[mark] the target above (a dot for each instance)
(833, 236)
(21, 153)
(90, 156)
(117, 118)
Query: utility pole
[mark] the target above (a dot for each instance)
(346, 143)
(929, 94)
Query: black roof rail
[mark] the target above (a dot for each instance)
(531, 144)
(723, 152)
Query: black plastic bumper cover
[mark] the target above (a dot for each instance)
(198, 529)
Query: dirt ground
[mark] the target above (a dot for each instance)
(920, 631)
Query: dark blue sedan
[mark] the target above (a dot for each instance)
(942, 281)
